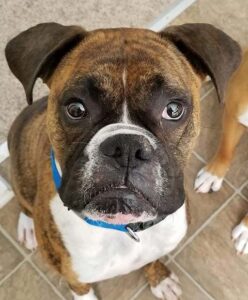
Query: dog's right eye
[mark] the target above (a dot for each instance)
(76, 110)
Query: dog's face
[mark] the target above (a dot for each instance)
(123, 115)
(126, 107)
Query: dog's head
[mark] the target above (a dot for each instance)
(123, 109)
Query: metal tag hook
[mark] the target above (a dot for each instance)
(132, 234)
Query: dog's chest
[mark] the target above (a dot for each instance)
(99, 253)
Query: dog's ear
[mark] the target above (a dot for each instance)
(37, 51)
(209, 50)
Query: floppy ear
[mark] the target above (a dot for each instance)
(37, 51)
(209, 50)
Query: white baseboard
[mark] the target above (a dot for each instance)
(6, 194)
(4, 152)
(174, 10)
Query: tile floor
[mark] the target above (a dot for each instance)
(205, 261)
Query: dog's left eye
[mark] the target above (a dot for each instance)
(76, 110)
(173, 111)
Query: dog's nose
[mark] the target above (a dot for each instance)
(128, 150)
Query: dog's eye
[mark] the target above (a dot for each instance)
(76, 110)
(173, 111)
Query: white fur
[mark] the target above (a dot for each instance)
(243, 119)
(90, 296)
(98, 253)
(25, 232)
(168, 289)
(206, 181)
(125, 116)
(58, 167)
(124, 78)
(240, 237)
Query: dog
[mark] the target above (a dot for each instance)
(235, 122)
(98, 165)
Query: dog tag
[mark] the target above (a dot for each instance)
(132, 234)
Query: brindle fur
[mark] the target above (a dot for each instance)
(103, 54)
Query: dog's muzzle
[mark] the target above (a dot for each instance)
(125, 153)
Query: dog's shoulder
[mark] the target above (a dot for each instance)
(26, 118)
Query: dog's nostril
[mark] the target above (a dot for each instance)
(118, 152)
(143, 154)
(139, 155)
(127, 150)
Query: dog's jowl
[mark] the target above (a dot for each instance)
(98, 165)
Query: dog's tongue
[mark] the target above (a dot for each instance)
(118, 218)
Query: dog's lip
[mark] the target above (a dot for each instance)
(119, 204)
(118, 218)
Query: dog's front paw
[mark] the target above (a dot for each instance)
(90, 296)
(207, 181)
(168, 289)
(25, 232)
(240, 237)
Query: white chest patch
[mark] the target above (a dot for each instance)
(243, 119)
(99, 253)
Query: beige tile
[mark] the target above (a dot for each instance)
(245, 191)
(207, 143)
(52, 275)
(238, 172)
(121, 288)
(9, 257)
(26, 284)
(228, 15)
(4, 169)
(9, 215)
(190, 290)
(201, 206)
(211, 116)
(211, 258)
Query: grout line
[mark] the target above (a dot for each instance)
(193, 280)
(207, 93)
(141, 289)
(12, 241)
(26, 258)
(54, 288)
(237, 190)
(199, 157)
(17, 267)
(204, 224)
(172, 11)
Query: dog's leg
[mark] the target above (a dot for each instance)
(83, 292)
(211, 176)
(25, 231)
(164, 284)
(240, 236)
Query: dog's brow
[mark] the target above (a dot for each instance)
(79, 85)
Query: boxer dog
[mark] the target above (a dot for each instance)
(98, 165)
(235, 122)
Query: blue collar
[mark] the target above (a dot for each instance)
(120, 227)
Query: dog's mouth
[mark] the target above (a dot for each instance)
(119, 205)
